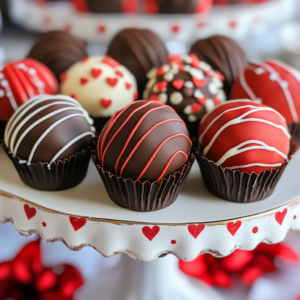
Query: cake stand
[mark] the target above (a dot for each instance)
(196, 223)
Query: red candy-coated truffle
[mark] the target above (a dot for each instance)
(244, 135)
(271, 83)
(22, 80)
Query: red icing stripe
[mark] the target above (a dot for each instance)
(158, 148)
(144, 136)
(169, 162)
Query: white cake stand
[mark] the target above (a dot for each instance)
(196, 223)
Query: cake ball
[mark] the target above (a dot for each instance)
(58, 50)
(276, 85)
(139, 50)
(104, 6)
(146, 142)
(189, 86)
(101, 85)
(245, 147)
(223, 54)
(48, 139)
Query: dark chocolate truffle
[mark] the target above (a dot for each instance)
(189, 86)
(58, 50)
(172, 6)
(222, 54)
(145, 141)
(139, 50)
(47, 129)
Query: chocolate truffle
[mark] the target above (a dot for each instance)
(21, 80)
(246, 136)
(58, 50)
(48, 128)
(145, 141)
(222, 54)
(189, 86)
(139, 50)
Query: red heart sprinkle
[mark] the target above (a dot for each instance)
(110, 61)
(150, 233)
(153, 97)
(73, 96)
(201, 24)
(195, 60)
(135, 95)
(128, 85)
(178, 84)
(233, 227)
(119, 73)
(279, 216)
(208, 73)
(112, 81)
(96, 72)
(63, 77)
(195, 230)
(220, 75)
(196, 107)
(85, 59)
(160, 71)
(202, 100)
(217, 101)
(161, 85)
(175, 28)
(106, 103)
(77, 223)
(102, 28)
(29, 211)
(198, 82)
(84, 81)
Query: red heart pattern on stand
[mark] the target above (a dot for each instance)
(77, 223)
(233, 227)
(195, 230)
(150, 233)
(279, 216)
(29, 211)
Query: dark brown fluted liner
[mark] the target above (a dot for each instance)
(240, 187)
(63, 174)
(144, 196)
(295, 131)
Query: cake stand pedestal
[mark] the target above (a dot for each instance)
(196, 223)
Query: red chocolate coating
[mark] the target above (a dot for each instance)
(145, 141)
(256, 136)
(20, 81)
(273, 84)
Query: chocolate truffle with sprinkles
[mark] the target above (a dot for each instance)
(190, 86)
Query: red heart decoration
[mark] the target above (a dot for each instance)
(112, 81)
(198, 82)
(29, 211)
(74, 96)
(77, 223)
(178, 84)
(135, 95)
(83, 81)
(161, 85)
(196, 107)
(208, 73)
(96, 72)
(233, 24)
(153, 97)
(160, 71)
(217, 101)
(202, 100)
(279, 216)
(102, 28)
(220, 75)
(63, 77)
(175, 28)
(233, 227)
(119, 73)
(150, 233)
(128, 85)
(106, 103)
(195, 230)
(110, 61)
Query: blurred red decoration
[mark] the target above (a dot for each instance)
(25, 278)
(226, 2)
(244, 265)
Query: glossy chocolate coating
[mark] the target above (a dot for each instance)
(104, 6)
(148, 114)
(177, 6)
(224, 55)
(139, 50)
(58, 50)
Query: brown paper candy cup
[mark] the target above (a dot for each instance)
(62, 175)
(240, 187)
(144, 196)
(295, 132)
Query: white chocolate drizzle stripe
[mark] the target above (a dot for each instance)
(47, 131)
(239, 120)
(70, 144)
(246, 87)
(255, 165)
(236, 150)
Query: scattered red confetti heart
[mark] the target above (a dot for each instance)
(77, 223)
(44, 224)
(198, 82)
(106, 102)
(63, 77)
(202, 100)
(175, 28)
(196, 107)
(102, 28)
(29, 211)
(160, 71)
(74, 96)
(217, 101)
(128, 85)
(112, 81)
(161, 85)
(150, 233)
(279, 216)
(220, 75)
(119, 73)
(233, 227)
(255, 229)
(233, 24)
(208, 73)
(195, 230)
(173, 242)
(178, 84)
(83, 81)
(96, 72)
